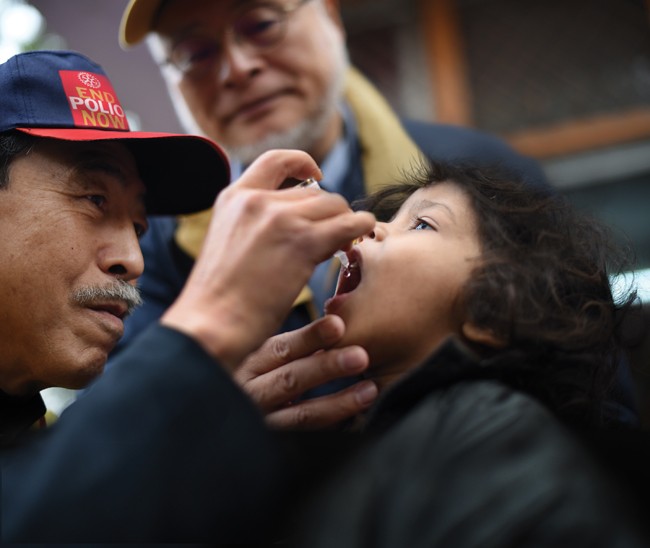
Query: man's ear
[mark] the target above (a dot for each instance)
(482, 335)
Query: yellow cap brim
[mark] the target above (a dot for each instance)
(137, 21)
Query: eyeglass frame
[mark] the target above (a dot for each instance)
(231, 28)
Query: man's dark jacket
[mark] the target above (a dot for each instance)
(164, 447)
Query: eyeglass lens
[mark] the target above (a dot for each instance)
(260, 26)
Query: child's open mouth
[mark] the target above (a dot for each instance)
(349, 280)
(350, 277)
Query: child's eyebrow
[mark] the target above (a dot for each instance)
(421, 205)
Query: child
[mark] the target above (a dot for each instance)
(508, 270)
(486, 310)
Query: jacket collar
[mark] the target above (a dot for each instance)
(452, 362)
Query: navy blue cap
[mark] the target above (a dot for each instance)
(64, 95)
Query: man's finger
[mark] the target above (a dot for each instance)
(288, 382)
(287, 347)
(341, 230)
(326, 411)
(272, 168)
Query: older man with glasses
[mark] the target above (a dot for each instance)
(259, 75)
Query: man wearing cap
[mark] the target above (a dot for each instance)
(274, 74)
(166, 446)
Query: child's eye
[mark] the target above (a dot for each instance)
(97, 199)
(420, 224)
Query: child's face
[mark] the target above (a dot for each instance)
(402, 300)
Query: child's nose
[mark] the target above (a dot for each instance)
(377, 233)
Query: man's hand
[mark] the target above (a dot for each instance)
(261, 248)
(289, 364)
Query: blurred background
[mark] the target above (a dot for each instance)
(564, 81)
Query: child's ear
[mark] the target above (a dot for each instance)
(482, 335)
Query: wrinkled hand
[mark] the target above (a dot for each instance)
(289, 364)
(261, 248)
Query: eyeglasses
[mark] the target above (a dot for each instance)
(260, 25)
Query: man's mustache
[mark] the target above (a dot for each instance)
(119, 290)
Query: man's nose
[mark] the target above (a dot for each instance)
(122, 257)
(239, 62)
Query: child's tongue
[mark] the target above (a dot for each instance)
(349, 279)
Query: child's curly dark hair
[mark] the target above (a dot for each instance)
(542, 286)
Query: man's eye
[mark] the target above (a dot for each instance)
(257, 29)
(193, 52)
(139, 229)
(97, 199)
(203, 52)
(261, 26)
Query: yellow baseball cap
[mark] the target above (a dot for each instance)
(138, 19)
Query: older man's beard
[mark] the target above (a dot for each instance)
(304, 135)
(119, 290)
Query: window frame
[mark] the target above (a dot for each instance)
(453, 96)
